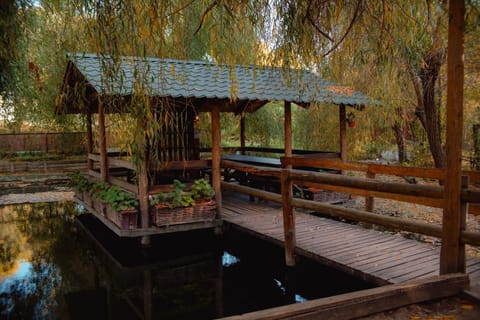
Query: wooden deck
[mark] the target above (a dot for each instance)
(378, 257)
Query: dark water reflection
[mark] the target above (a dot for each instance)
(52, 267)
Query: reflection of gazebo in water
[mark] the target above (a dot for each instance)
(180, 90)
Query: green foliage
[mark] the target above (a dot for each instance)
(119, 200)
(178, 198)
(202, 190)
(78, 181)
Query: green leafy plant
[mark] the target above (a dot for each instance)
(97, 189)
(159, 198)
(178, 198)
(78, 181)
(119, 200)
(202, 190)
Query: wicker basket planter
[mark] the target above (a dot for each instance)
(126, 219)
(162, 215)
(99, 206)
(87, 199)
(78, 194)
(205, 210)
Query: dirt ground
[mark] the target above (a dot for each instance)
(462, 308)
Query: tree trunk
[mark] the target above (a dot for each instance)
(476, 147)
(430, 119)
(401, 142)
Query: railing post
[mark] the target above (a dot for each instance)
(369, 201)
(288, 218)
(452, 255)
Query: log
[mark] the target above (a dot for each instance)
(435, 192)
(366, 302)
(216, 170)
(288, 219)
(452, 254)
(270, 196)
(343, 132)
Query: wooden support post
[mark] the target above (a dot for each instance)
(452, 256)
(143, 198)
(216, 173)
(143, 188)
(343, 132)
(288, 145)
(242, 133)
(288, 218)
(103, 143)
(89, 139)
(369, 201)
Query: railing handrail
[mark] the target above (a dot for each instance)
(434, 193)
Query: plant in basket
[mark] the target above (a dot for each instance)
(122, 207)
(79, 183)
(179, 197)
(119, 200)
(98, 194)
(173, 207)
(202, 193)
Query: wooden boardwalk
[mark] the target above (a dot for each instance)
(375, 256)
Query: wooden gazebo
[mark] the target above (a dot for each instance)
(98, 84)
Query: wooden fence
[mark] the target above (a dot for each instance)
(369, 187)
(43, 166)
(64, 142)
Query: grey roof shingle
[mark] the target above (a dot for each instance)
(195, 79)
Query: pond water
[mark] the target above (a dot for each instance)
(58, 264)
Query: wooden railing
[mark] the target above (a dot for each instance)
(418, 193)
(116, 163)
(277, 151)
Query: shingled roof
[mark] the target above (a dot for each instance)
(244, 88)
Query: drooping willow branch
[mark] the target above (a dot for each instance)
(350, 26)
(202, 20)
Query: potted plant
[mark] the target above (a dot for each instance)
(98, 194)
(173, 207)
(79, 183)
(205, 205)
(121, 207)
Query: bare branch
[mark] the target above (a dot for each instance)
(210, 8)
(350, 26)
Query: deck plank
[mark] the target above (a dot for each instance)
(373, 255)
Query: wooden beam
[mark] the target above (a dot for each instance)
(343, 132)
(216, 170)
(427, 191)
(288, 218)
(89, 139)
(366, 302)
(242, 132)
(266, 195)
(452, 256)
(103, 142)
(288, 145)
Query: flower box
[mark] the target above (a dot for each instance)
(126, 219)
(162, 215)
(87, 199)
(99, 207)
